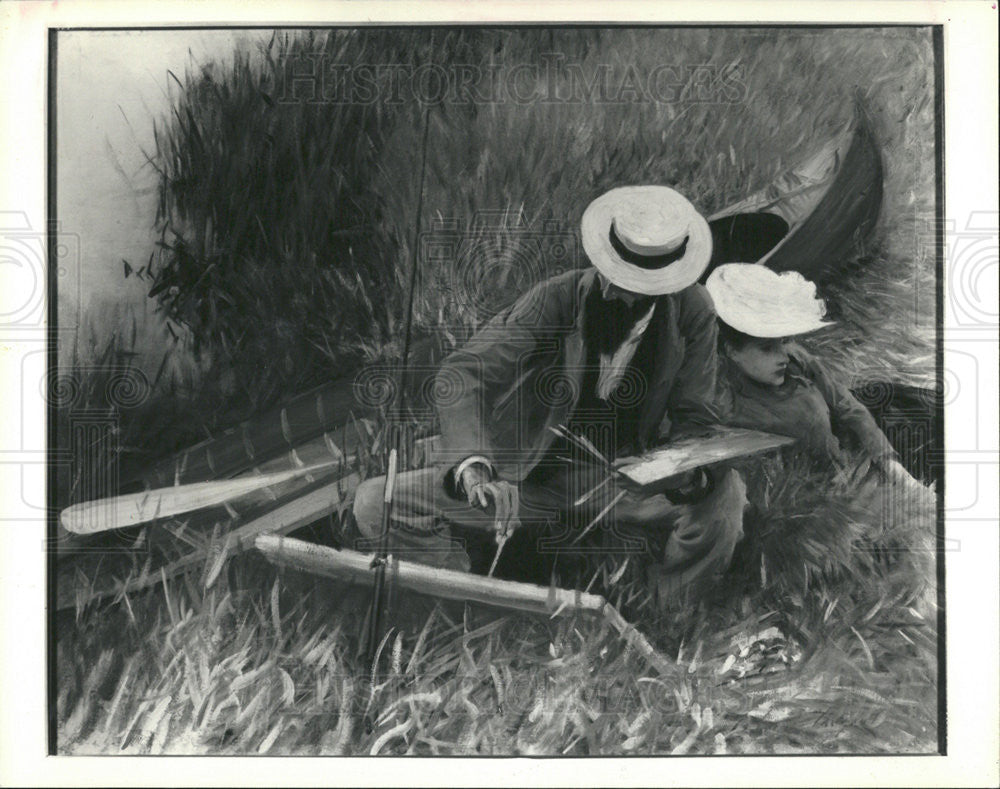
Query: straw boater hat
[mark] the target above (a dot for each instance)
(646, 239)
(762, 303)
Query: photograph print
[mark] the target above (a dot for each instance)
(496, 391)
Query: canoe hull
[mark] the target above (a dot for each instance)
(814, 217)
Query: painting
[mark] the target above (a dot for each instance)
(379, 368)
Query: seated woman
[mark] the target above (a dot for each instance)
(768, 382)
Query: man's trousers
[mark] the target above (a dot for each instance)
(686, 546)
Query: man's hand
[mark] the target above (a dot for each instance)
(481, 491)
(473, 482)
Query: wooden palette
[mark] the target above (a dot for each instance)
(690, 453)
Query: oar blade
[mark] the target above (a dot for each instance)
(120, 512)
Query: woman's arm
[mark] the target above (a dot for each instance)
(849, 416)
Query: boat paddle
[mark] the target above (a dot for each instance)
(134, 509)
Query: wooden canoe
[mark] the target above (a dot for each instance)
(330, 415)
(811, 218)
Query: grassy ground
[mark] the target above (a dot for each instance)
(822, 638)
(821, 645)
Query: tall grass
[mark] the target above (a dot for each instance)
(274, 250)
(287, 226)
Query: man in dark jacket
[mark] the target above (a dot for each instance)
(623, 354)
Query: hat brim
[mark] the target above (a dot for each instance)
(595, 228)
(788, 326)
